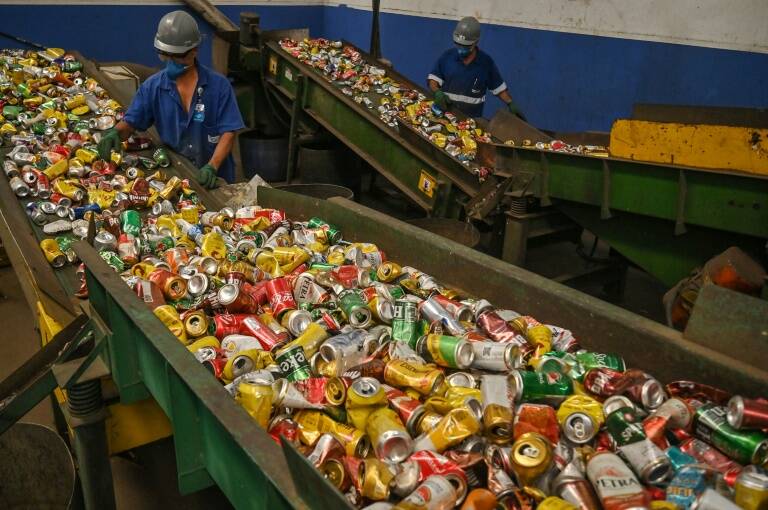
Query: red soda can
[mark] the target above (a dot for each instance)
(258, 291)
(409, 409)
(235, 278)
(747, 413)
(280, 297)
(282, 427)
(252, 326)
(500, 331)
(228, 324)
(538, 418)
(236, 301)
(347, 275)
(313, 389)
(432, 463)
(698, 391)
(127, 249)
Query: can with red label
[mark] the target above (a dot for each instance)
(280, 296)
(435, 493)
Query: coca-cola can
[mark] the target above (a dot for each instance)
(280, 296)
(235, 301)
(268, 339)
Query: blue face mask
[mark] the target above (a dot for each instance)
(464, 51)
(174, 69)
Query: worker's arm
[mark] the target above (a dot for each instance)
(124, 130)
(504, 96)
(222, 150)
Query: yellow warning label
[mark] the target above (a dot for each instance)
(427, 184)
(273, 65)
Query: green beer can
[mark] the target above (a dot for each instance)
(405, 318)
(446, 351)
(551, 387)
(293, 363)
(743, 446)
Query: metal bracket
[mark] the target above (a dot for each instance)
(605, 203)
(544, 198)
(299, 102)
(682, 192)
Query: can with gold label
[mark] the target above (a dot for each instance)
(364, 396)
(446, 351)
(195, 322)
(751, 489)
(53, 253)
(313, 424)
(172, 321)
(388, 435)
(580, 418)
(428, 421)
(498, 403)
(421, 378)
(375, 479)
(451, 430)
(530, 457)
(555, 503)
(256, 399)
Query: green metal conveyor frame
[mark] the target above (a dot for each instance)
(665, 218)
(216, 442)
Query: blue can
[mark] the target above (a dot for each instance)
(679, 458)
(686, 486)
(77, 213)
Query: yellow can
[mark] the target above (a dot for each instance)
(530, 457)
(213, 246)
(455, 396)
(142, 270)
(171, 188)
(451, 430)
(205, 341)
(256, 399)
(313, 424)
(555, 503)
(423, 378)
(311, 339)
(364, 396)
(53, 253)
(86, 155)
(74, 102)
(196, 323)
(581, 404)
(170, 318)
(81, 110)
(375, 479)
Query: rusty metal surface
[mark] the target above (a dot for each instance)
(729, 322)
(599, 326)
(726, 116)
(507, 126)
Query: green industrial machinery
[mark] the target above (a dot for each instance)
(666, 219)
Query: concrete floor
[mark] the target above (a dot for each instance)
(144, 479)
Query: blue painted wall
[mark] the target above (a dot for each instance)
(562, 81)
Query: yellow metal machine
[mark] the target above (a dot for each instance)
(731, 142)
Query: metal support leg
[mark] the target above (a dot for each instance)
(515, 240)
(87, 412)
(293, 133)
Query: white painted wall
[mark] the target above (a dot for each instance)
(728, 24)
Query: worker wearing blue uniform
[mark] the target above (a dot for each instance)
(463, 74)
(193, 108)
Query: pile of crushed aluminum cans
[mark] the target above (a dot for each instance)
(404, 393)
(370, 86)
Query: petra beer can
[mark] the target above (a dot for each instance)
(743, 446)
(615, 484)
(495, 356)
(434, 493)
(498, 403)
